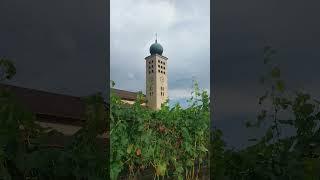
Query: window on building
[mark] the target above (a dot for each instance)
(152, 70)
(158, 66)
(164, 67)
(164, 72)
(164, 63)
(152, 66)
(158, 61)
(158, 70)
(149, 72)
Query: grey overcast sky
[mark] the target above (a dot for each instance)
(183, 28)
(58, 46)
(241, 30)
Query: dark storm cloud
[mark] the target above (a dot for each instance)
(58, 46)
(241, 30)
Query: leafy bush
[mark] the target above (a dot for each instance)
(171, 141)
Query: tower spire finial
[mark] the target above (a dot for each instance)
(156, 37)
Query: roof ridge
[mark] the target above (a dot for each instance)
(38, 90)
(125, 90)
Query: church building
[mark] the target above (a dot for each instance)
(156, 80)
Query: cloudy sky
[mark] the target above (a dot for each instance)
(57, 46)
(183, 28)
(241, 30)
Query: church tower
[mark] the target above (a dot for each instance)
(156, 77)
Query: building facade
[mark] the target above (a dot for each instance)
(127, 96)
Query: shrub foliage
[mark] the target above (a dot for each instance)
(173, 142)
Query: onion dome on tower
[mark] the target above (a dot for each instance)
(156, 48)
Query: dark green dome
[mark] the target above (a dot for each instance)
(156, 48)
